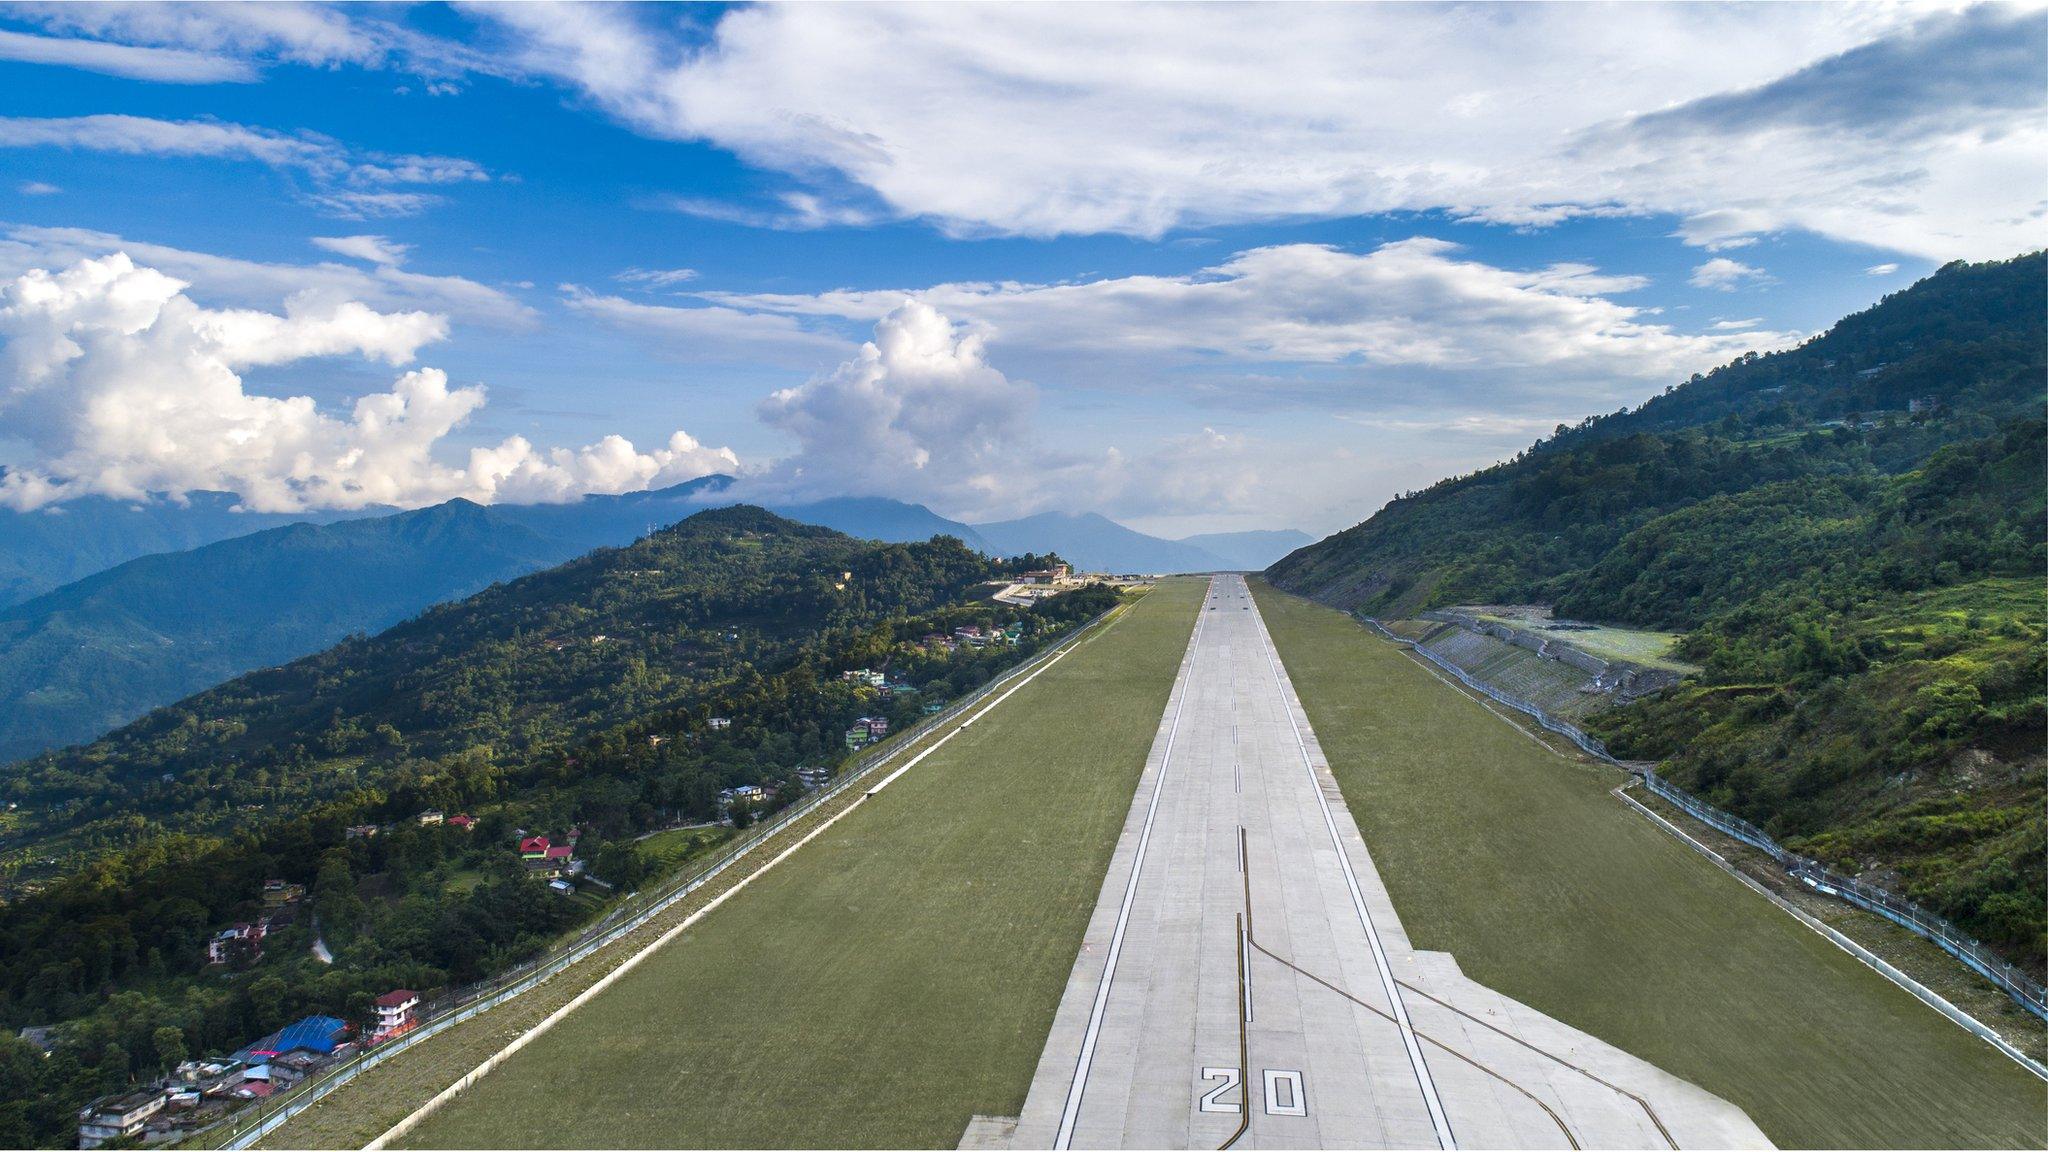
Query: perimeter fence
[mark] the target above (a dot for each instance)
(2016, 982)
(241, 1129)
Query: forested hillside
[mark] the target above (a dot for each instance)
(578, 702)
(48, 548)
(82, 658)
(1851, 534)
(520, 669)
(102, 651)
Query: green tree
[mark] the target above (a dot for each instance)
(170, 1046)
(334, 896)
(267, 999)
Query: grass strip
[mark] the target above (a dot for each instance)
(897, 975)
(359, 1111)
(1546, 888)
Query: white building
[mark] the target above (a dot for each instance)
(115, 1119)
(396, 1011)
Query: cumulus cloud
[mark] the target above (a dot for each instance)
(1725, 275)
(1407, 303)
(918, 409)
(118, 384)
(370, 249)
(1880, 269)
(348, 183)
(920, 414)
(38, 188)
(259, 284)
(1889, 126)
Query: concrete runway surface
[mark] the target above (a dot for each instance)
(1245, 982)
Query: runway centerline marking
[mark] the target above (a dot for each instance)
(1379, 953)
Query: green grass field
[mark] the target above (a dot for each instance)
(678, 846)
(1632, 644)
(1552, 891)
(894, 977)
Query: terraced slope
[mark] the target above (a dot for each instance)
(1550, 685)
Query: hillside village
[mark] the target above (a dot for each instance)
(581, 863)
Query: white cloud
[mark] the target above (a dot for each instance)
(348, 183)
(351, 204)
(119, 385)
(145, 136)
(203, 42)
(517, 472)
(920, 414)
(1725, 275)
(1724, 228)
(164, 65)
(656, 277)
(1409, 303)
(255, 284)
(38, 188)
(1891, 126)
(372, 249)
(1741, 325)
(793, 212)
(709, 333)
(918, 411)
(1881, 269)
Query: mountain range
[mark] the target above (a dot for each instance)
(79, 658)
(51, 547)
(103, 650)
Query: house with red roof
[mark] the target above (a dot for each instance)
(553, 860)
(397, 1011)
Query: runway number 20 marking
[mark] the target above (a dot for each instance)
(1285, 1095)
(1212, 1100)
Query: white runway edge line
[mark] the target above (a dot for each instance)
(469, 1079)
(1919, 991)
(1372, 935)
(1868, 958)
(935, 745)
(1071, 1113)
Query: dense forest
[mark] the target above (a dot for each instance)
(1850, 534)
(573, 702)
(517, 670)
(101, 651)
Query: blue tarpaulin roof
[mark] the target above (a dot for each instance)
(314, 1034)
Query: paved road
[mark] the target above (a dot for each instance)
(1242, 926)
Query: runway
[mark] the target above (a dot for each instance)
(1245, 981)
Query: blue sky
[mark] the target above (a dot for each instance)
(1199, 269)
